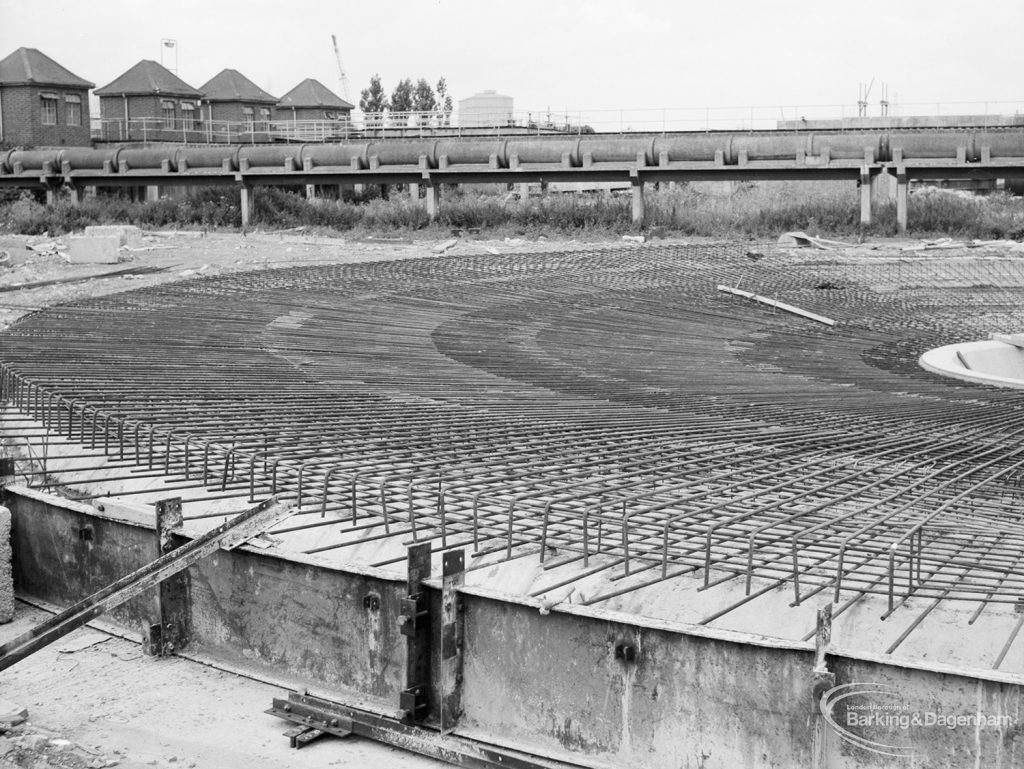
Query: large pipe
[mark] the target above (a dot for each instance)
(81, 158)
(727, 148)
(225, 158)
(34, 161)
(149, 159)
(348, 155)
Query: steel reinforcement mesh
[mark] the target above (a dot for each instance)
(607, 403)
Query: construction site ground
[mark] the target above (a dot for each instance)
(95, 700)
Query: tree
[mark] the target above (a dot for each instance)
(373, 101)
(402, 98)
(424, 101)
(444, 103)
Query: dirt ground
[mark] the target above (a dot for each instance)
(94, 700)
(37, 272)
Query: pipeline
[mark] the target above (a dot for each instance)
(588, 151)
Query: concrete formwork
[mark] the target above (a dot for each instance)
(574, 685)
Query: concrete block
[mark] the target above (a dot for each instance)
(6, 575)
(12, 713)
(129, 234)
(87, 249)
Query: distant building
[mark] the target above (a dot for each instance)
(150, 103)
(230, 96)
(41, 103)
(312, 100)
(488, 108)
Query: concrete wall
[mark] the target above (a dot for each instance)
(6, 575)
(685, 702)
(551, 684)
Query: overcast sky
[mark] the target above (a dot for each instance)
(576, 55)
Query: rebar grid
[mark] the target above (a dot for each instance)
(607, 409)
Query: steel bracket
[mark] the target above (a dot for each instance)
(452, 628)
(174, 607)
(414, 618)
(412, 614)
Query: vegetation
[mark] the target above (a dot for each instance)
(749, 210)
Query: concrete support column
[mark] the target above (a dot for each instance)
(51, 196)
(433, 196)
(883, 188)
(310, 192)
(524, 190)
(865, 197)
(357, 189)
(414, 192)
(902, 184)
(638, 202)
(246, 202)
(152, 193)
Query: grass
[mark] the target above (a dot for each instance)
(757, 211)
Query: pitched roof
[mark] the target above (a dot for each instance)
(232, 85)
(148, 77)
(312, 93)
(28, 65)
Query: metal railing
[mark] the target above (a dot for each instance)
(640, 120)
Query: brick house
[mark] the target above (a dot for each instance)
(150, 103)
(41, 103)
(312, 100)
(231, 96)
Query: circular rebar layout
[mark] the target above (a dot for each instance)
(603, 411)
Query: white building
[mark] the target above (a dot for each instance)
(488, 108)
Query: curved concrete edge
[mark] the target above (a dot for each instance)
(992, 362)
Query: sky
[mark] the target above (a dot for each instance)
(597, 58)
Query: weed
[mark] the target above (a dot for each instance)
(763, 210)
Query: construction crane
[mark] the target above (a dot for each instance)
(341, 70)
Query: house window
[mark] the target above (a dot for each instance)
(265, 117)
(188, 115)
(250, 120)
(49, 108)
(167, 108)
(73, 109)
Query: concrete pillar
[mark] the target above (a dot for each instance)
(883, 188)
(638, 203)
(152, 193)
(433, 195)
(524, 190)
(76, 195)
(902, 183)
(51, 196)
(246, 201)
(865, 197)
(310, 192)
(414, 192)
(357, 189)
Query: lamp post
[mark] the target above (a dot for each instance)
(168, 45)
